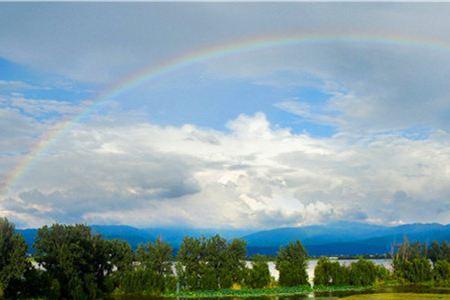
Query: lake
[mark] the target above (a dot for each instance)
(388, 293)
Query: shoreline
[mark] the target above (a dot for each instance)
(275, 291)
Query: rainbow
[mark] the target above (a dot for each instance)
(235, 47)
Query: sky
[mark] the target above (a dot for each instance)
(349, 122)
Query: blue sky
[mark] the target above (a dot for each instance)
(183, 96)
(282, 136)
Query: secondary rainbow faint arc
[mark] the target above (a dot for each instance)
(202, 55)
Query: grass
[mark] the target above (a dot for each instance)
(399, 296)
(276, 291)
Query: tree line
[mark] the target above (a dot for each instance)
(418, 262)
(412, 264)
(360, 273)
(71, 262)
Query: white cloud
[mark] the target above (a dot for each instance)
(16, 85)
(255, 175)
(371, 86)
(124, 169)
(305, 111)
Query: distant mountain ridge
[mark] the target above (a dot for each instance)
(338, 238)
(136, 236)
(346, 238)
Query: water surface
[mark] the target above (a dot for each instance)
(388, 293)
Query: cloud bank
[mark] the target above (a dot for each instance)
(253, 175)
(384, 159)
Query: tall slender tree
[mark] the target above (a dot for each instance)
(191, 263)
(156, 259)
(13, 260)
(291, 263)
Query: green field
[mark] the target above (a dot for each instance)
(400, 296)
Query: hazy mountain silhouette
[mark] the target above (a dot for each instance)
(338, 238)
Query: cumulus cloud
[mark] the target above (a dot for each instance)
(254, 175)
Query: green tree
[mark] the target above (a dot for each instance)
(216, 257)
(411, 262)
(329, 273)
(156, 258)
(439, 252)
(383, 273)
(152, 274)
(237, 252)
(78, 264)
(441, 272)
(420, 270)
(13, 260)
(136, 281)
(435, 252)
(191, 263)
(291, 263)
(445, 251)
(363, 273)
(211, 263)
(120, 259)
(120, 255)
(259, 275)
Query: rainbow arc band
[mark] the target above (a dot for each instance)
(202, 55)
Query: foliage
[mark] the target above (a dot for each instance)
(363, 273)
(383, 274)
(360, 273)
(153, 273)
(213, 263)
(411, 263)
(260, 292)
(190, 263)
(73, 263)
(327, 273)
(439, 252)
(237, 252)
(291, 263)
(121, 259)
(78, 264)
(259, 275)
(13, 260)
(441, 272)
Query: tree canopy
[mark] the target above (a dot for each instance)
(78, 264)
(13, 261)
(258, 276)
(210, 263)
(71, 262)
(291, 262)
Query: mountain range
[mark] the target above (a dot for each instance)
(337, 238)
